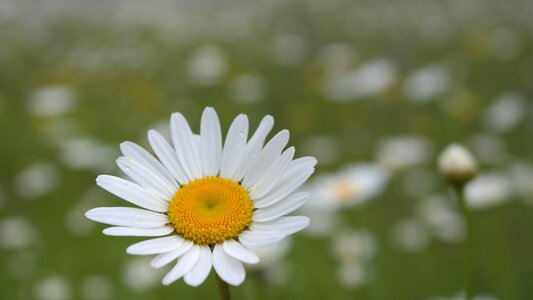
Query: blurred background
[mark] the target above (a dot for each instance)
(373, 89)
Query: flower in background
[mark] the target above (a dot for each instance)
(441, 220)
(87, 153)
(402, 152)
(506, 112)
(354, 185)
(52, 288)
(368, 80)
(427, 83)
(211, 201)
(52, 101)
(457, 164)
(487, 191)
(37, 180)
(521, 176)
(354, 250)
(206, 66)
(16, 233)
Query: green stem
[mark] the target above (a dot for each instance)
(468, 247)
(223, 289)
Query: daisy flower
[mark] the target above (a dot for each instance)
(207, 202)
(349, 187)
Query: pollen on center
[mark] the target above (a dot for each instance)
(210, 210)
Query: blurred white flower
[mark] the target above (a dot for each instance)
(36, 180)
(427, 83)
(290, 49)
(207, 65)
(352, 275)
(248, 88)
(487, 191)
(354, 247)
(506, 112)
(354, 251)
(351, 186)
(88, 153)
(521, 178)
(410, 235)
(52, 101)
(96, 288)
(442, 221)
(401, 152)
(16, 233)
(139, 275)
(52, 288)
(457, 164)
(366, 81)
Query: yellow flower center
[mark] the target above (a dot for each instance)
(210, 210)
(344, 190)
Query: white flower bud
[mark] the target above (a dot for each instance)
(457, 164)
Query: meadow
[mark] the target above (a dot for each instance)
(381, 84)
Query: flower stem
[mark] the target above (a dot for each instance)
(468, 247)
(223, 289)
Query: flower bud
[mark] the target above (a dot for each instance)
(457, 164)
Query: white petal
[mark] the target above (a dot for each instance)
(272, 175)
(156, 246)
(186, 146)
(238, 251)
(127, 216)
(211, 142)
(138, 153)
(234, 147)
(252, 239)
(167, 155)
(165, 258)
(281, 208)
(254, 147)
(284, 225)
(287, 184)
(132, 192)
(265, 159)
(228, 268)
(146, 178)
(132, 231)
(202, 268)
(184, 265)
(300, 165)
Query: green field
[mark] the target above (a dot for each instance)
(344, 77)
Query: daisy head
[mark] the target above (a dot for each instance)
(351, 186)
(207, 201)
